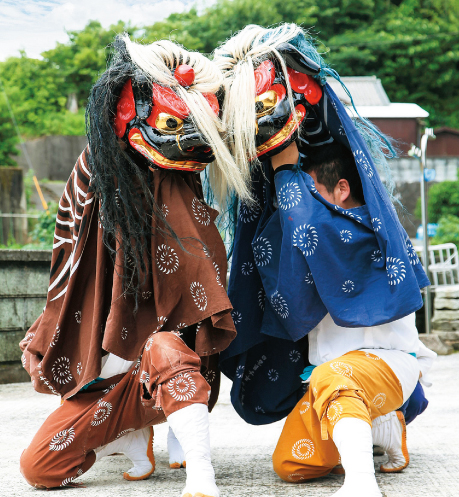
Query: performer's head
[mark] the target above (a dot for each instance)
(272, 77)
(333, 169)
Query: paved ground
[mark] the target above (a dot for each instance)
(241, 452)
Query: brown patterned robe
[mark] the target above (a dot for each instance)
(86, 313)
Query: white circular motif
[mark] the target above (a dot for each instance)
(62, 440)
(345, 235)
(348, 286)
(262, 251)
(247, 214)
(341, 130)
(309, 279)
(237, 316)
(413, 256)
(61, 371)
(136, 367)
(78, 317)
(296, 477)
(200, 212)
(376, 256)
(162, 320)
(124, 432)
(79, 368)
(219, 280)
(289, 196)
(294, 355)
(373, 357)
(273, 375)
(149, 343)
(165, 210)
(167, 259)
(259, 409)
(395, 269)
(305, 406)
(240, 371)
(376, 223)
(210, 376)
(261, 298)
(352, 215)
(341, 387)
(199, 295)
(146, 295)
(279, 304)
(334, 411)
(124, 333)
(305, 238)
(55, 336)
(28, 337)
(102, 413)
(342, 368)
(67, 481)
(247, 268)
(182, 387)
(303, 449)
(144, 377)
(23, 360)
(379, 400)
(362, 161)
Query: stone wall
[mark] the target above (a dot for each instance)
(24, 277)
(445, 320)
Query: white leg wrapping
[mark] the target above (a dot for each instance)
(136, 446)
(191, 427)
(389, 432)
(353, 440)
(176, 454)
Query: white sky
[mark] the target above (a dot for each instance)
(36, 25)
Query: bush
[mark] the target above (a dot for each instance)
(43, 232)
(442, 200)
(448, 230)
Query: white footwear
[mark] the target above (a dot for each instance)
(353, 440)
(389, 432)
(138, 447)
(191, 427)
(176, 455)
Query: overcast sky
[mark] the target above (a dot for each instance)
(36, 25)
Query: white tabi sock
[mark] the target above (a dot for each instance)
(138, 447)
(176, 455)
(352, 437)
(389, 432)
(191, 427)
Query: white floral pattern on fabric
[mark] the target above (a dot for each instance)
(247, 214)
(342, 368)
(247, 268)
(305, 237)
(237, 316)
(279, 305)
(218, 277)
(28, 338)
(289, 196)
(62, 440)
(351, 214)
(345, 235)
(362, 161)
(296, 477)
(412, 255)
(67, 481)
(165, 210)
(209, 376)
(376, 223)
(341, 387)
(261, 298)
(305, 406)
(395, 269)
(124, 432)
(309, 279)
(23, 360)
(334, 411)
(144, 377)
(372, 357)
(303, 449)
(167, 259)
(102, 413)
(199, 295)
(136, 367)
(162, 320)
(273, 375)
(240, 371)
(259, 409)
(149, 343)
(61, 370)
(376, 256)
(294, 355)
(379, 400)
(262, 251)
(78, 317)
(182, 387)
(124, 333)
(55, 337)
(146, 295)
(348, 286)
(200, 212)
(79, 368)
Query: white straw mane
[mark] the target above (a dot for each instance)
(158, 60)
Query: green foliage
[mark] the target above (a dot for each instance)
(442, 200)
(43, 233)
(448, 230)
(8, 136)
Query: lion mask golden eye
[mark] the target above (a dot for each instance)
(167, 123)
(265, 103)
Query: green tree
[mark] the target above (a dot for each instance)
(8, 137)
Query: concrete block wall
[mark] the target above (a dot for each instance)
(445, 320)
(24, 279)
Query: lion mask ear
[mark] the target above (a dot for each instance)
(297, 61)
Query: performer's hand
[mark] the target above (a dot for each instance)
(288, 156)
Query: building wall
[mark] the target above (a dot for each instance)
(446, 144)
(404, 131)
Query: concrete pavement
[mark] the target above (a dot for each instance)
(242, 453)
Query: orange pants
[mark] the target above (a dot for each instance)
(166, 379)
(355, 385)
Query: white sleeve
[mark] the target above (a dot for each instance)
(426, 358)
